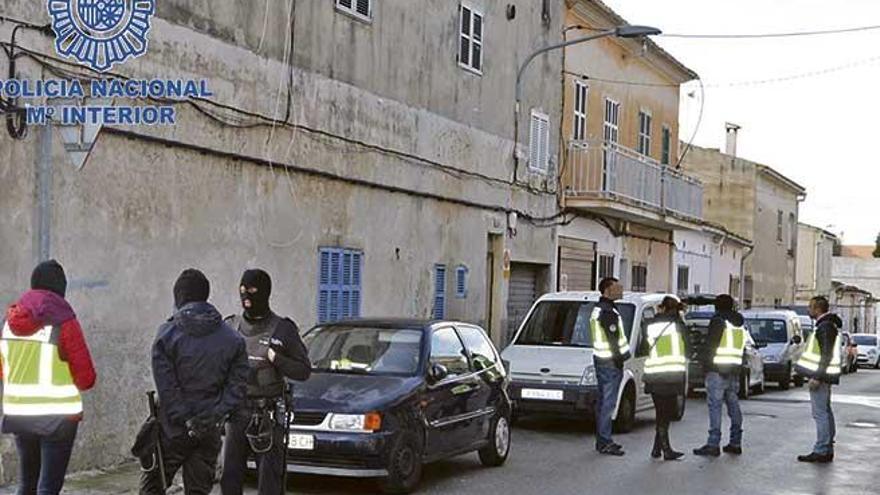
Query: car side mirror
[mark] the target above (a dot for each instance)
(437, 372)
(796, 340)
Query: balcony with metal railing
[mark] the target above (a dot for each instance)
(612, 179)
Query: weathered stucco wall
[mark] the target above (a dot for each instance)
(772, 265)
(392, 133)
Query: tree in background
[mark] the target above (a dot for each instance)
(877, 247)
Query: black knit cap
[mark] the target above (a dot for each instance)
(49, 275)
(191, 286)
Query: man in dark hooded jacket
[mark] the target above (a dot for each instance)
(44, 414)
(722, 381)
(200, 368)
(276, 354)
(821, 363)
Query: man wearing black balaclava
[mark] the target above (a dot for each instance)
(276, 354)
(200, 367)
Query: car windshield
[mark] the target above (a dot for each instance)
(566, 323)
(869, 340)
(364, 350)
(766, 331)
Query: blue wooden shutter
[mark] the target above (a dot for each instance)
(339, 285)
(439, 311)
(461, 281)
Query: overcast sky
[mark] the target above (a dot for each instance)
(819, 130)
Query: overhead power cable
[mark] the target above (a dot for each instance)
(773, 35)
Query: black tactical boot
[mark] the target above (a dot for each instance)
(668, 453)
(658, 446)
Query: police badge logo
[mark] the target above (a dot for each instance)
(101, 33)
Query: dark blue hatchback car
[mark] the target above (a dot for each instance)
(387, 396)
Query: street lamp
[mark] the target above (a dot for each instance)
(626, 31)
(620, 32)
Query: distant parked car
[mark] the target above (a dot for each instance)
(777, 335)
(387, 396)
(752, 377)
(868, 349)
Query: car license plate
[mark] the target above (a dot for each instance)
(532, 393)
(301, 442)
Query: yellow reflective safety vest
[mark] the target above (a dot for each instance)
(729, 355)
(666, 361)
(601, 346)
(36, 382)
(812, 355)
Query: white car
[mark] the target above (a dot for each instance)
(551, 358)
(869, 349)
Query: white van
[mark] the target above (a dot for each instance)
(551, 358)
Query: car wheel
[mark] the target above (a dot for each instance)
(745, 379)
(877, 364)
(855, 367)
(404, 466)
(680, 405)
(495, 452)
(626, 412)
(785, 383)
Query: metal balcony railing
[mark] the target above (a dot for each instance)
(610, 171)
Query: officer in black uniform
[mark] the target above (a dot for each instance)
(276, 353)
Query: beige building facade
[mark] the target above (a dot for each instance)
(814, 263)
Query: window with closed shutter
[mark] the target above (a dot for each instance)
(461, 272)
(684, 273)
(470, 51)
(639, 278)
(439, 310)
(539, 141)
(358, 8)
(339, 285)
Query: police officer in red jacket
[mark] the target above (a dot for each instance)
(40, 326)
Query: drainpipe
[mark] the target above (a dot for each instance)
(742, 274)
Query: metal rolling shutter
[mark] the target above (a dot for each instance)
(577, 260)
(523, 292)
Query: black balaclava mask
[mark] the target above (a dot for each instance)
(255, 288)
(49, 275)
(191, 286)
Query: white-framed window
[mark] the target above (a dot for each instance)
(539, 141)
(612, 121)
(645, 133)
(683, 279)
(666, 144)
(579, 131)
(362, 9)
(470, 48)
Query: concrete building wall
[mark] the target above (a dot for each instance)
(863, 273)
(652, 248)
(814, 263)
(712, 259)
(384, 157)
(772, 265)
(729, 189)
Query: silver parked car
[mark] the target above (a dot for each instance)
(777, 334)
(869, 349)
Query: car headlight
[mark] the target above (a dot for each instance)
(589, 376)
(356, 422)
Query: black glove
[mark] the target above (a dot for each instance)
(203, 425)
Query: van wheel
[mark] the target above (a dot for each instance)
(404, 466)
(495, 452)
(626, 412)
(680, 405)
(745, 379)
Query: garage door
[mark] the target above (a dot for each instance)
(576, 261)
(523, 292)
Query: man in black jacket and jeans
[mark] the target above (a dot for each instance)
(276, 354)
(200, 368)
(722, 380)
(821, 362)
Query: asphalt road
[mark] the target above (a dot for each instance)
(551, 457)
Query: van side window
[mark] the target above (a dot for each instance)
(446, 349)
